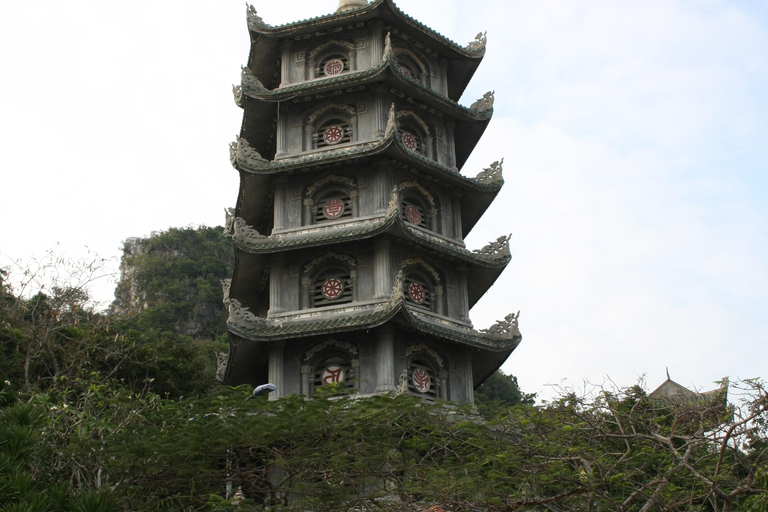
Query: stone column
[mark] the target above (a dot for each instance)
(306, 384)
(467, 377)
(456, 216)
(434, 220)
(377, 41)
(385, 359)
(309, 217)
(382, 268)
(277, 369)
(353, 279)
(285, 63)
(443, 376)
(381, 112)
(280, 202)
(382, 189)
(439, 292)
(306, 299)
(276, 274)
(450, 141)
(463, 300)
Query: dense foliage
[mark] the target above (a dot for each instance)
(100, 413)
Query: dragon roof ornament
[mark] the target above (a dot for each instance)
(500, 246)
(241, 152)
(250, 84)
(254, 20)
(387, 47)
(237, 92)
(492, 173)
(229, 222)
(507, 328)
(241, 316)
(391, 122)
(242, 232)
(484, 104)
(478, 45)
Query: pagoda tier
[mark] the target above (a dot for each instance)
(351, 267)
(271, 44)
(474, 195)
(388, 82)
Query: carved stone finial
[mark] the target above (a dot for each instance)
(226, 285)
(240, 316)
(233, 153)
(387, 46)
(229, 222)
(402, 383)
(245, 155)
(252, 16)
(492, 173)
(479, 43)
(237, 92)
(391, 122)
(508, 328)
(245, 233)
(484, 104)
(499, 247)
(249, 81)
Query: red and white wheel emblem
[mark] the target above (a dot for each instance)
(416, 292)
(410, 141)
(333, 375)
(333, 134)
(332, 288)
(421, 380)
(333, 209)
(413, 215)
(334, 67)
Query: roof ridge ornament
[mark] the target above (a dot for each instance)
(478, 45)
(391, 122)
(484, 104)
(254, 20)
(499, 247)
(250, 82)
(241, 152)
(507, 328)
(387, 47)
(491, 174)
(237, 92)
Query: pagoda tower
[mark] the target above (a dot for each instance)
(351, 267)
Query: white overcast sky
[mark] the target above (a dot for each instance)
(635, 138)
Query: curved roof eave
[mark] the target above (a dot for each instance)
(252, 87)
(378, 9)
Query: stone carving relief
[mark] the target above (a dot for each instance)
(402, 383)
(387, 47)
(226, 285)
(331, 106)
(479, 43)
(508, 328)
(237, 92)
(249, 81)
(415, 349)
(241, 152)
(352, 262)
(332, 177)
(240, 316)
(418, 261)
(397, 291)
(229, 222)
(336, 343)
(492, 173)
(484, 104)
(244, 232)
(391, 122)
(414, 184)
(346, 44)
(498, 247)
(253, 18)
(222, 359)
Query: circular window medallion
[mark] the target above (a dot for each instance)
(416, 292)
(413, 215)
(410, 141)
(421, 380)
(334, 67)
(333, 134)
(333, 209)
(332, 288)
(333, 375)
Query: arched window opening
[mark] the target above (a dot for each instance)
(415, 211)
(333, 65)
(334, 204)
(334, 370)
(422, 380)
(408, 67)
(418, 291)
(332, 133)
(332, 287)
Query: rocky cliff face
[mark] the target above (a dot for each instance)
(175, 277)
